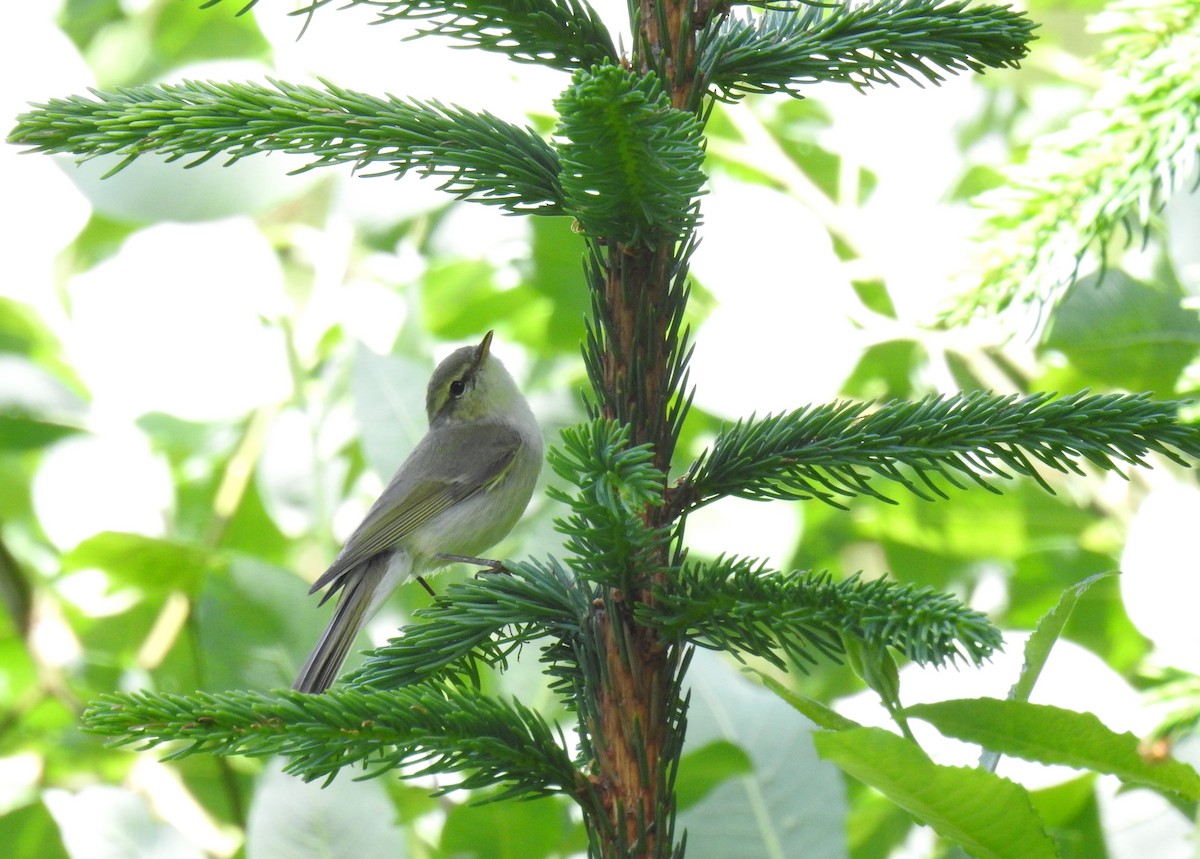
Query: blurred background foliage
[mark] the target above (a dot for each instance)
(206, 376)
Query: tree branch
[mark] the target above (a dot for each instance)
(789, 49)
(561, 34)
(478, 156)
(1117, 161)
(737, 605)
(440, 728)
(831, 451)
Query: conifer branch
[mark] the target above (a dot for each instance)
(436, 728)
(789, 49)
(1116, 163)
(562, 34)
(632, 164)
(614, 485)
(484, 621)
(736, 605)
(830, 451)
(477, 156)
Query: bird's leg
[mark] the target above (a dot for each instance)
(425, 585)
(490, 566)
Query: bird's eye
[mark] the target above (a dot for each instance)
(457, 387)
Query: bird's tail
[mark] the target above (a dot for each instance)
(360, 597)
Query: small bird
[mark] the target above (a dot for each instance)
(460, 491)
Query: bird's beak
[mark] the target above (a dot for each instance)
(482, 352)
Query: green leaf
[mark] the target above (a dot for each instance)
(150, 564)
(18, 671)
(36, 407)
(1051, 735)
(975, 180)
(812, 709)
(389, 402)
(31, 833)
(461, 299)
(108, 821)
(508, 830)
(702, 769)
(991, 817)
(632, 164)
(251, 529)
(85, 20)
(253, 626)
(940, 544)
(184, 33)
(792, 804)
(876, 826)
(1043, 639)
(875, 296)
(876, 666)
(292, 819)
(18, 432)
(1122, 333)
(1072, 815)
(555, 271)
(1099, 620)
(116, 646)
(886, 370)
(22, 330)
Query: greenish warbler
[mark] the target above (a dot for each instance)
(460, 491)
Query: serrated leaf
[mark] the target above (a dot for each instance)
(1049, 628)
(1037, 650)
(811, 709)
(1052, 735)
(1072, 814)
(991, 817)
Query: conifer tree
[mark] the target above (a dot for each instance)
(616, 616)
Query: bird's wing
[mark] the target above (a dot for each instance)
(446, 467)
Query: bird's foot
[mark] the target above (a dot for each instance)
(489, 566)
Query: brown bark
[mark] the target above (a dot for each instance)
(635, 706)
